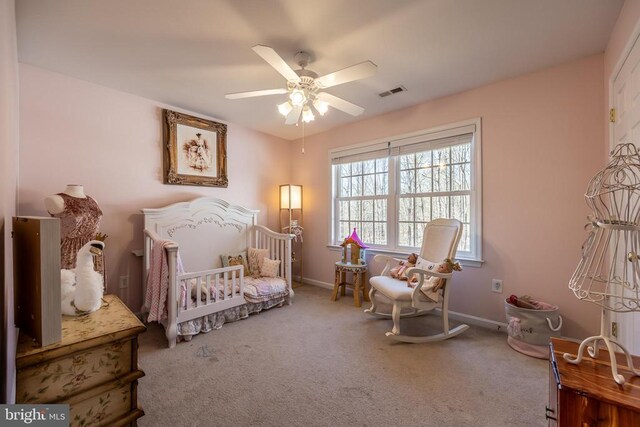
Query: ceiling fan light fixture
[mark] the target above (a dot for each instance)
(304, 87)
(321, 106)
(285, 108)
(297, 97)
(307, 114)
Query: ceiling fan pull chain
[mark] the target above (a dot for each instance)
(303, 137)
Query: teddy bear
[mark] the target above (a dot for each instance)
(400, 271)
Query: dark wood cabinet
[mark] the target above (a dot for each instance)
(586, 394)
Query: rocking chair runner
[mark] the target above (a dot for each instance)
(440, 241)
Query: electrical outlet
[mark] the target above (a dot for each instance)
(496, 286)
(124, 282)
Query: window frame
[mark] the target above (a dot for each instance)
(430, 137)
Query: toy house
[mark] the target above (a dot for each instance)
(353, 249)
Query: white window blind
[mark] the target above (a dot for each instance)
(368, 152)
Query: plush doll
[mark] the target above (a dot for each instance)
(524, 301)
(399, 271)
(82, 287)
(447, 266)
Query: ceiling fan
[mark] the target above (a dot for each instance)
(305, 86)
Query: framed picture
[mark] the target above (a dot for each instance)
(195, 151)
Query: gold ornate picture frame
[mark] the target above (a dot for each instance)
(195, 151)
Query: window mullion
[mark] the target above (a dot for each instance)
(393, 202)
(336, 205)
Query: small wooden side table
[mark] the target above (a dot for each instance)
(359, 272)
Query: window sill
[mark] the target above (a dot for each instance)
(465, 262)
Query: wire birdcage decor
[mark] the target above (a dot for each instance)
(608, 273)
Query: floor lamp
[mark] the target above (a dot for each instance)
(291, 206)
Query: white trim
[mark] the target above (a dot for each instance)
(626, 324)
(476, 166)
(318, 283)
(635, 34)
(626, 51)
(478, 321)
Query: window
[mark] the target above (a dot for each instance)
(390, 190)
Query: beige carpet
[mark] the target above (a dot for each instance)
(323, 363)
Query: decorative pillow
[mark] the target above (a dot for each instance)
(239, 258)
(256, 259)
(269, 267)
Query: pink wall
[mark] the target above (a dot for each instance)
(74, 132)
(542, 136)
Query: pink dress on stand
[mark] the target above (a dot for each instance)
(79, 223)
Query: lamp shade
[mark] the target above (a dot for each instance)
(290, 196)
(285, 108)
(321, 106)
(297, 97)
(307, 114)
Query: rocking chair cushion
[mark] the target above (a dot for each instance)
(391, 288)
(394, 289)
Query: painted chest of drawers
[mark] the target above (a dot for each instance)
(94, 368)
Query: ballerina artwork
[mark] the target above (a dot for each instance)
(198, 153)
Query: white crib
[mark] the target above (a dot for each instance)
(202, 230)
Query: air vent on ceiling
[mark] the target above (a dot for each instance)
(392, 91)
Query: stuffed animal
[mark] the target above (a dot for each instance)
(400, 271)
(524, 301)
(82, 287)
(447, 266)
(239, 260)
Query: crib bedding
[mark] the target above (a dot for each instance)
(256, 289)
(259, 289)
(261, 293)
(204, 324)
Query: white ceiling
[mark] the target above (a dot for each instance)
(190, 53)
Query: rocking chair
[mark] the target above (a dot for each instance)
(440, 241)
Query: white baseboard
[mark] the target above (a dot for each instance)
(466, 318)
(478, 321)
(317, 283)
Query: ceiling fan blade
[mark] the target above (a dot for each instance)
(294, 115)
(251, 94)
(276, 62)
(340, 104)
(349, 74)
